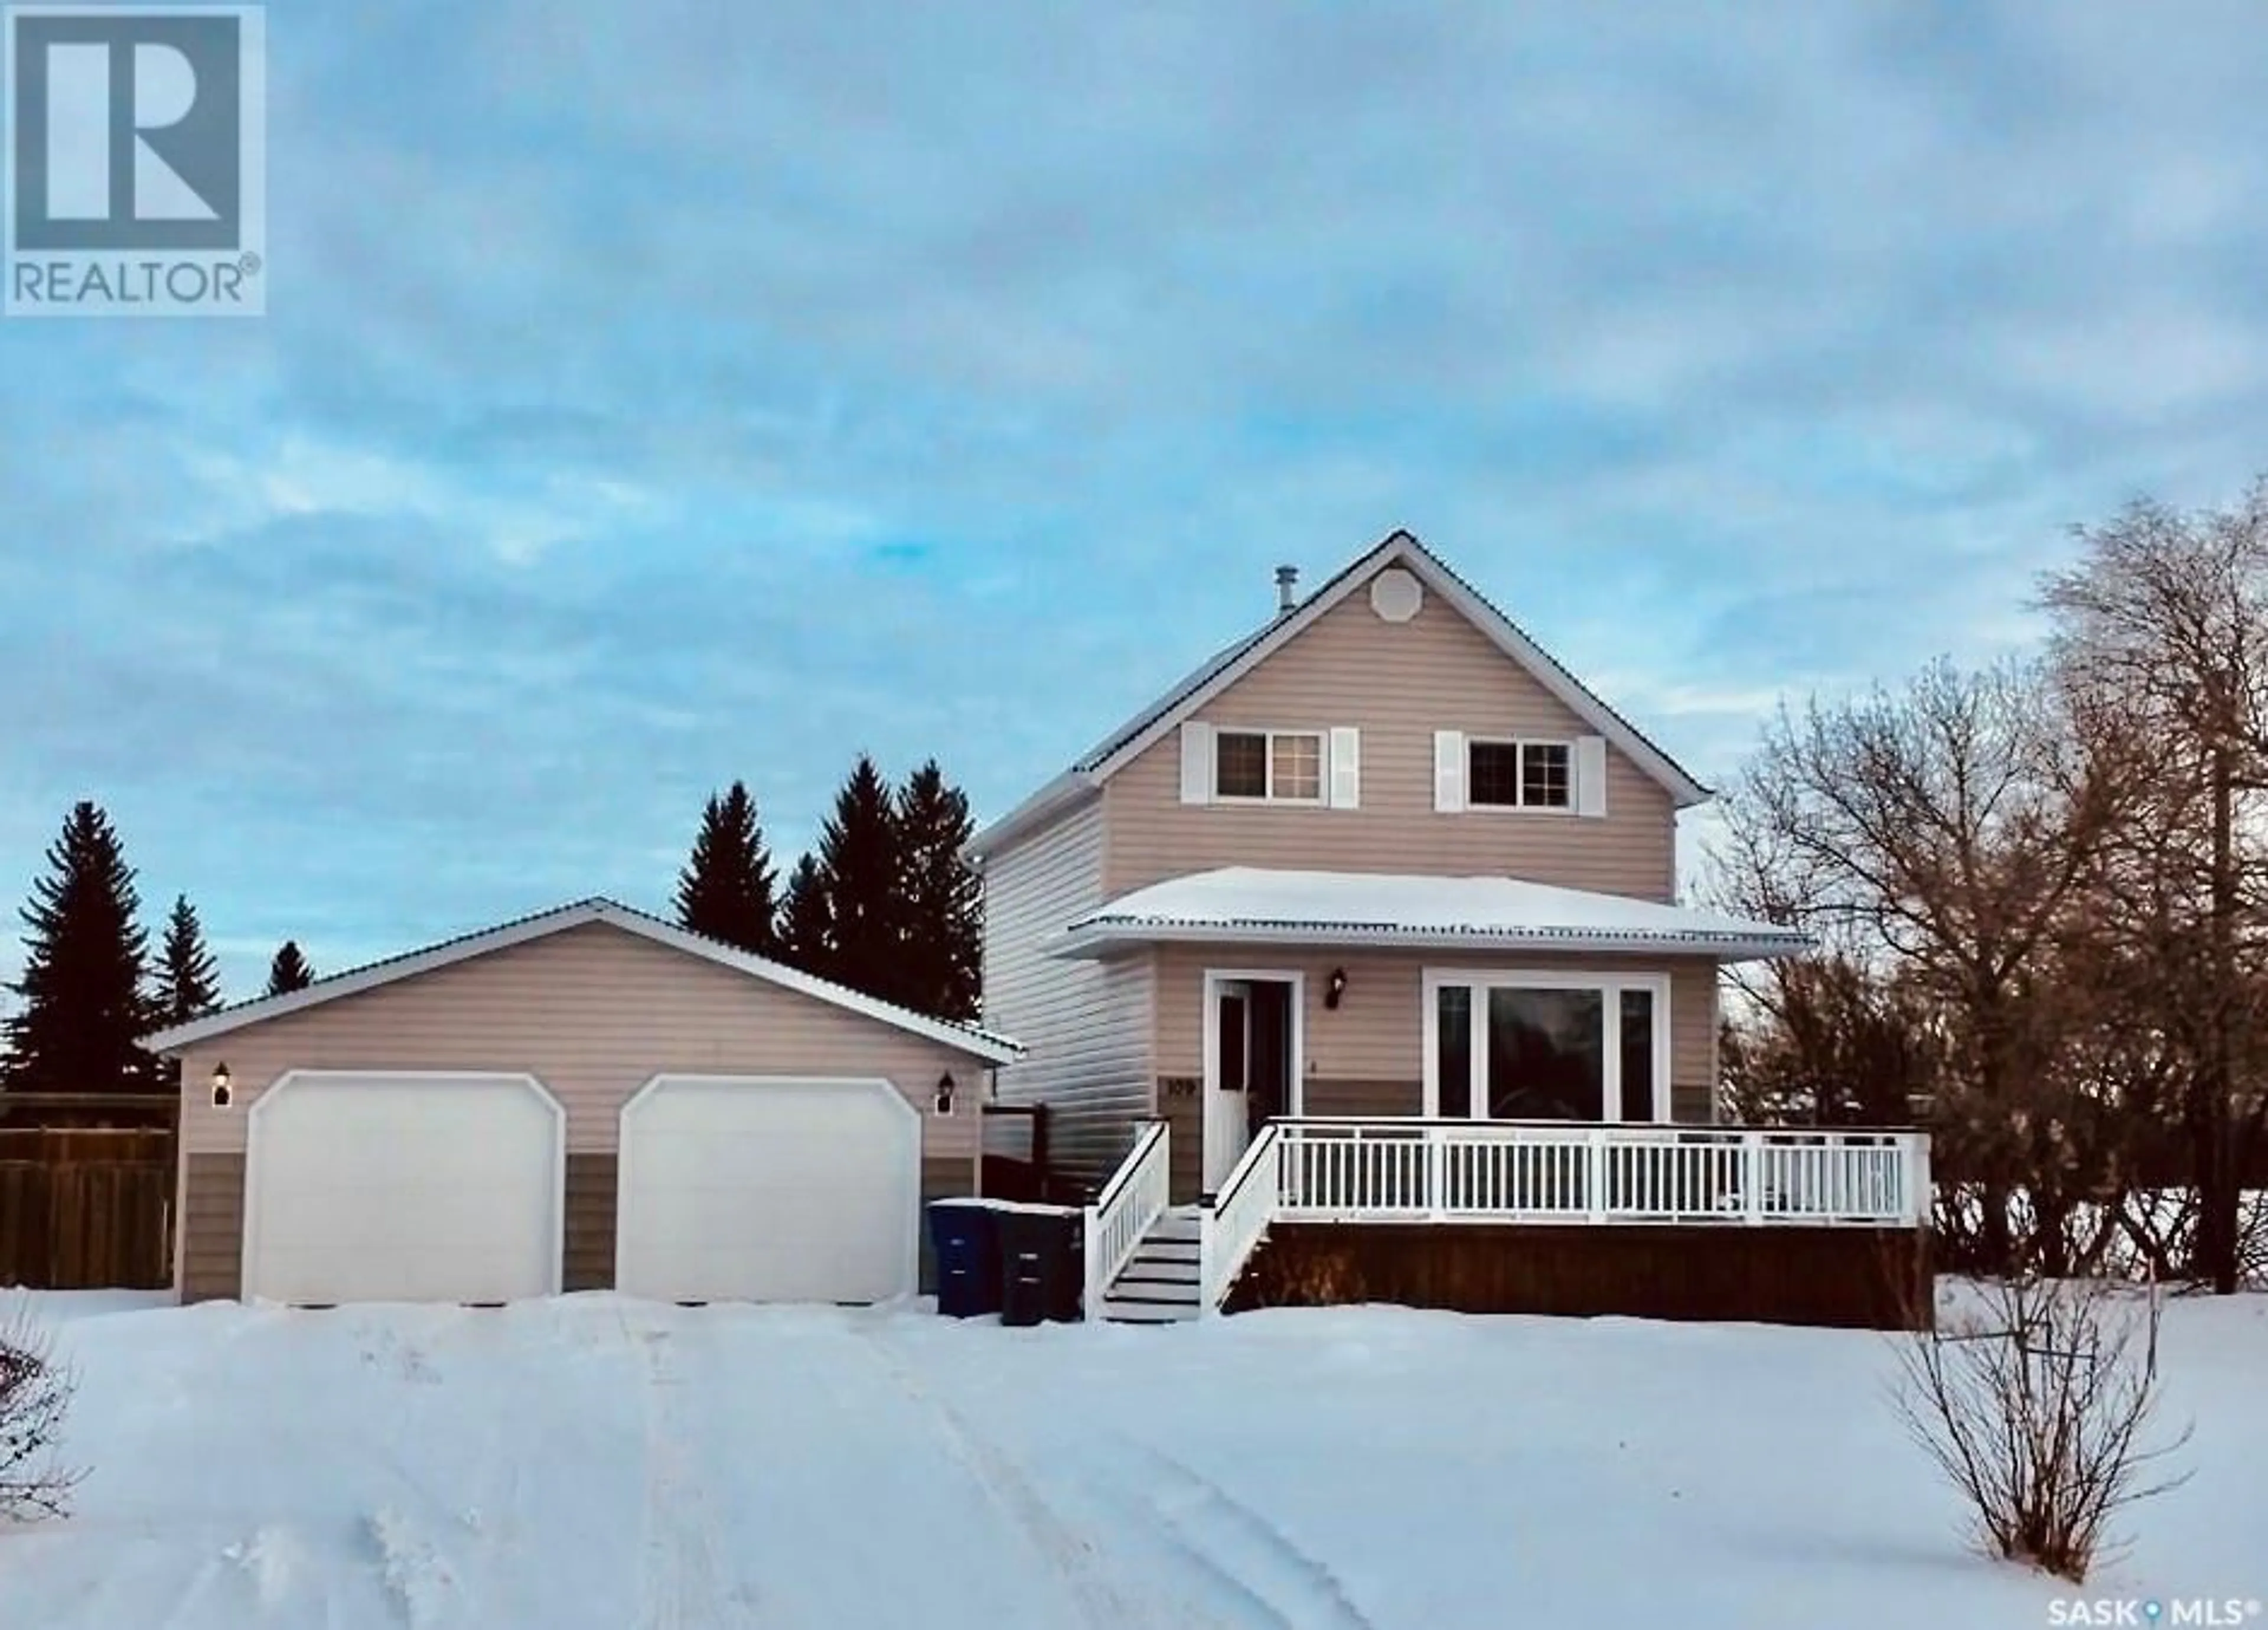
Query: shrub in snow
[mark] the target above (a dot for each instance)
(35, 1392)
(2035, 1404)
(2252, 1241)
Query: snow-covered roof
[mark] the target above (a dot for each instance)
(978, 1042)
(1250, 904)
(1230, 664)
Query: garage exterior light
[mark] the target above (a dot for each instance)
(944, 1092)
(221, 1093)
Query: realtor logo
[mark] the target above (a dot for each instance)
(136, 160)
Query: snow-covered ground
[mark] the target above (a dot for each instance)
(597, 1462)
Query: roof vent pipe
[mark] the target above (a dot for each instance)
(1288, 590)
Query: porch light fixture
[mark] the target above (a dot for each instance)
(944, 1092)
(1334, 988)
(220, 1086)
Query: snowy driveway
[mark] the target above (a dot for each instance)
(597, 1462)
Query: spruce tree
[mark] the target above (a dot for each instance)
(81, 1005)
(290, 970)
(189, 985)
(725, 890)
(942, 898)
(861, 875)
(806, 939)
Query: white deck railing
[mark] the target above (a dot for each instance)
(1385, 1170)
(1130, 1202)
(1328, 1170)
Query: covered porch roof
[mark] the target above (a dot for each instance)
(1253, 904)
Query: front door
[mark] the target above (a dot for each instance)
(1252, 1044)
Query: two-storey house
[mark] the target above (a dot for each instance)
(1382, 884)
(1350, 970)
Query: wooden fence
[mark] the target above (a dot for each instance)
(87, 1208)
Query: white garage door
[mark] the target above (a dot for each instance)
(755, 1189)
(385, 1187)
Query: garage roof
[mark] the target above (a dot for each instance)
(980, 1043)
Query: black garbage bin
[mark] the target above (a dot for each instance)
(964, 1234)
(1042, 1263)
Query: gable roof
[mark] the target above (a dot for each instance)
(978, 1042)
(1226, 667)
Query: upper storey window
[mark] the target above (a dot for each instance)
(1280, 766)
(1237, 764)
(1520, 775)
(1499, 772)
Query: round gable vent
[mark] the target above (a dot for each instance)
(1395, 595)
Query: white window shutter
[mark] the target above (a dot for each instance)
(1449, 771)
(1196, 763)
(1591, 776)
(1346, 767)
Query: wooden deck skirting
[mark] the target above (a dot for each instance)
(1845, 1277)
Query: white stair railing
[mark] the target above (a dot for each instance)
(1231, 1221)
(1129, 1202)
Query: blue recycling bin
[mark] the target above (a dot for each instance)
(966, 1236)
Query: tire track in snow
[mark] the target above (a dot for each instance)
(414, 1578)
(681, 1587)
(1261, 1563)
(188, 1598)
(1104, 1600)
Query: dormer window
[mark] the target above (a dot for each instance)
(1277, 766)
(1520, 775)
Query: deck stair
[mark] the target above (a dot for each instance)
(1158, 1285)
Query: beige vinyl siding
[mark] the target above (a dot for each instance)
(593, 1184)
(1183, 1113)
(1398, 684)
(1368, 1056)
(1085, 1025)
(594, 1013)
(209, 1240)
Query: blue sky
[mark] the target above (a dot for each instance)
(657, 395)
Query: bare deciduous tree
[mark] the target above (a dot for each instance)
(1847, 1046)
(2043, 893)
(2163, 625)
(1939, 838)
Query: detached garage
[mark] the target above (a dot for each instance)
(589, 1099)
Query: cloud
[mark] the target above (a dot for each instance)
(658, 394)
